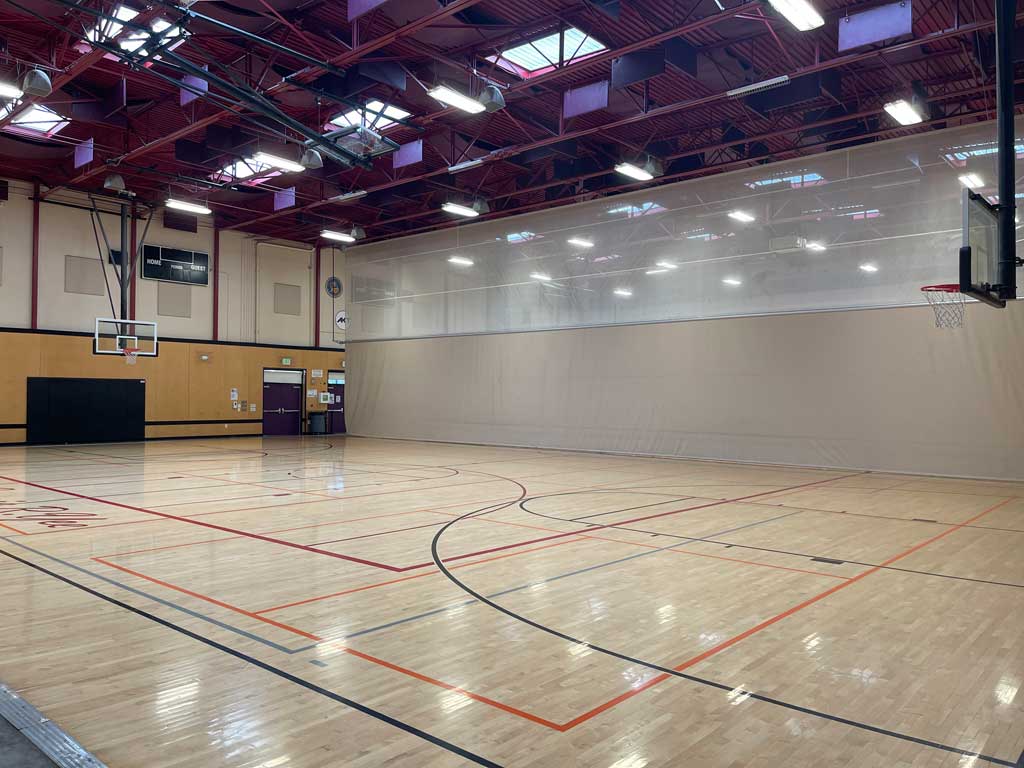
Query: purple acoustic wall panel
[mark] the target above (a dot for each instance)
(84, 153)
(407, 154)
(284, 198)
(188, 95)
(586, 98)
(357, 8)
(875, 25)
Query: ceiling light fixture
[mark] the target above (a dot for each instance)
(868, 268)
(462, 261)
(341, 237)
(278, 162)
(9, 91)
(348, 196)
(540, 276)
(658, 271)
(903, 112)
(732, 281)
(971, 180)
(800, 13)
(451, 97)
(815, 247)
(580, 242)
(623, 292)
(742, 216)
(492, 98)
(184, 205)
(466, 165)
(666, 265)
(470, 212)
(311, 160)
(641, 170)
(37, 83)
(764, 85)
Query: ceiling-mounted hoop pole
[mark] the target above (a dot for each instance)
(1007, 268)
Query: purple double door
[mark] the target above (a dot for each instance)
(282, 408)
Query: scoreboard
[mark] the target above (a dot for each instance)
(175, 265)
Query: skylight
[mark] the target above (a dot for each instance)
(546, 53)
(522, 237)
(107, 30)
(245, 170)
(633, 211)
(36, 120)
(795, 180)
(378, 116)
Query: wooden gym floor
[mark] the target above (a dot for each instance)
(354, 602)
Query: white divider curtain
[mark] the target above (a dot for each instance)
(875, 389)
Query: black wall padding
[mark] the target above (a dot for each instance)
(86, 410)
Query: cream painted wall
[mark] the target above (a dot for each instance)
(248, 269)
(291, 266)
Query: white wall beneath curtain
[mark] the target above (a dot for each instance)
(876, 389)
(894, 205)
(332, 262)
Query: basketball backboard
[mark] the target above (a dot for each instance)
(113, 337)
(979, 250)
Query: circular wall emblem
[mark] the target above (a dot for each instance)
(340, 319)
(333, 287)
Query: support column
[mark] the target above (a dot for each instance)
(134, 264)
(216, 283)
(126, 263)
(35, 255)
(316, 299)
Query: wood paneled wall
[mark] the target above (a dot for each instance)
(180, 387)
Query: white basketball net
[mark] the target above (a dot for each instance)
(948, 304)
(131, 356)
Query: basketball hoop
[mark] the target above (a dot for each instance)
(948, 303)
(131, 355)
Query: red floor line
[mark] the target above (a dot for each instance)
(213, 526)
(775, 619)
(365, 587)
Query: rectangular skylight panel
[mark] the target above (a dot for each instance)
(40, 119)
(544, 52)
(378, 115)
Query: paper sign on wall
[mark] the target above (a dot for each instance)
(310, 393)
(318, 373)
(325, 397)
(234, 393)
(252, 407)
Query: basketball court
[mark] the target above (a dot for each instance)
(619, 384)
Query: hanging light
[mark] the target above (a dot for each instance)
(188, 207)
(37, 83)
(114, 183)
(492, 98)
(341, 237)
(641, 170)
(279, 162)
(311, 160)
(453, 98)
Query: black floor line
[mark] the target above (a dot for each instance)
(436, 740)
(439, 563)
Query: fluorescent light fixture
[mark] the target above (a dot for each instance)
(623, 292)
(466, 165)
(634, 171)
(971, 180)
(341, 237)
(799, 13)
(460, 210)
(540, 276)
(742, 216)
(580, 242)
(347, 196)
(814, 247)
(462, 261)
(903, 112)
(732, 281)
(453, 98)
(278, 162)
(184, 205)
(666, 265)
(10, 91)
(764, 85)
(659, 271)
(868, 268)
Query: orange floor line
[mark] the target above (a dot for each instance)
(455, 689)
(777, 618)
(11, 528)
(416, 576)
(208, 599)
